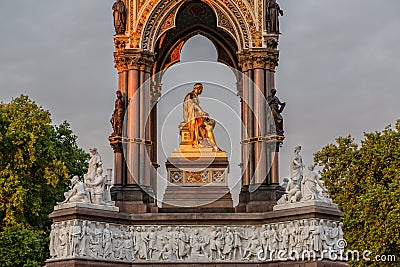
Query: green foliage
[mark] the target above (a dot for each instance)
(36, 160)
(22, 247)
(365, 182)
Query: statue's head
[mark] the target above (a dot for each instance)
(75, 179)
(198, 88)
(119, 94)
(311, 167)
(93, 150)
(273, 91)
(297, 149)
(99, 171)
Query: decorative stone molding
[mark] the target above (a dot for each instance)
(259, 59)
(208, 176)
(83, 239)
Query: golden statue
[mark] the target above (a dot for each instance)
(199, 124)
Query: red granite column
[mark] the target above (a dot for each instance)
(259, 126)
(132, 150)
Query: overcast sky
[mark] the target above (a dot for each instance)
(339, 67)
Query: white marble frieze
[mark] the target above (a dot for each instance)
(148, 243)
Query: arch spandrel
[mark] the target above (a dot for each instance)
(147, 22)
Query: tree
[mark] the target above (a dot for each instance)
(365, 182)
(36, 160)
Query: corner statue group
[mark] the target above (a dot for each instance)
(199, 123)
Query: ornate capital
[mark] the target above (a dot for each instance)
(138, 59)
(271, 41)
(121, 63)
(245, 61)
(116, 143)
(120, 43)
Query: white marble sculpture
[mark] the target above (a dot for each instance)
(149, 243)
(313, 186)
(94, 163)
(77, 193)
(296, 165)
(94, 190)
(305, 188)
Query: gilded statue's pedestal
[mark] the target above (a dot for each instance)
(197, 180)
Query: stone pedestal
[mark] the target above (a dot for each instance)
(259, 197)
(84, 236)
(197, 180)
(133, 199)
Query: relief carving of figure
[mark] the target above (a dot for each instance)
(152, 242)
(273, 13)
(96, 241)
(183, 244)
(136, 242)
(76, 232)
(197, 243)
(143, 244)
(126, 248)
(219, 243)
(107, 242)
(199, 123)
(252, 248)
(274, 240)
(276, 107)
(212, 241)
(63, 240)
(284, 238)
(237, 243)
(166, 250)
(228, 246)
(84, 239)
(53, 240)
(117, 118)
(119, 14)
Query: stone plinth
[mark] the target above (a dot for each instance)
(259, 197)
(197, 181)
(93, 237)
(189, 199)
(86, 205)
(306, 203)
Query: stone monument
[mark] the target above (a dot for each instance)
(115, 221)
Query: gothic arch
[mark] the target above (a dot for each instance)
(230, 19)
(168, 45)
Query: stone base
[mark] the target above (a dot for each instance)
(86, 205)
(306, 203)
(85, 263)
(181, 199)
(125, 226)
(259, 198)
(133, 199)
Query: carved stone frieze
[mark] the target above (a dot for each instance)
(82, 239)
(208, 176)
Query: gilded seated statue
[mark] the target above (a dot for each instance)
(199, 124)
